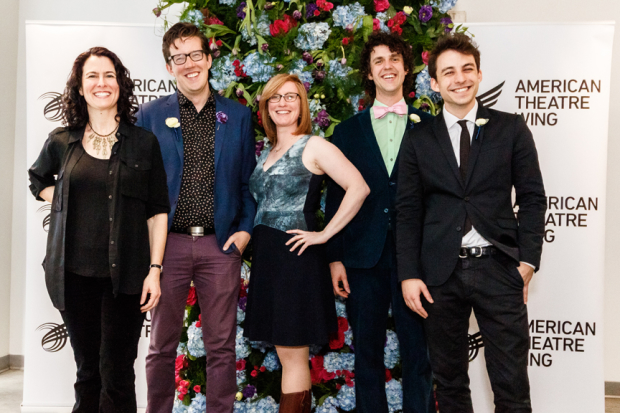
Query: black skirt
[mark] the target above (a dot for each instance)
(290, 297)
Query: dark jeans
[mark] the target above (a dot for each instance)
(104, 331)
(493, 287)
(372, 292)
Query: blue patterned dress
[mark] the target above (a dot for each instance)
(290, 298)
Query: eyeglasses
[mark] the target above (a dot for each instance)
(180, 59)
(289, 97)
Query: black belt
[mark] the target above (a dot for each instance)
(194, 231)
(477, 252)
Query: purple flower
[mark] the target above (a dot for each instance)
(318, 75)
(244, 300)
(239, 92)
(310, 9)
(269, 5)
(307, 86)
(307, 57)
(240, 12)
(322, 119)
(265, 46)
(249, 391)
(221, 117)
(446, 21)
(426, 106)
(426, 12)
(216, 54)
(297, 15)
(157, 12)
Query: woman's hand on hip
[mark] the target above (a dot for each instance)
(150, 286)
(304, 239)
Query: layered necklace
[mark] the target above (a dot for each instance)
(101, 141)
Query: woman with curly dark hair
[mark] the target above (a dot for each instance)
(107, 185)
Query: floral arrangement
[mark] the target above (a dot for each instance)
(321, 42)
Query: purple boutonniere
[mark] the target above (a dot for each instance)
(221, 117)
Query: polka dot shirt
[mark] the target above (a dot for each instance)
(195, 206)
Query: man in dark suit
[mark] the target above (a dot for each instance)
(208, 150)
(459, 244)
(362, 256)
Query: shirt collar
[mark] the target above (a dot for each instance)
(451, 119)
(184, 101)
(377, 103)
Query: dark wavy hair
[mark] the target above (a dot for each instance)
(458, 42)
(74, 107)
(396, 44)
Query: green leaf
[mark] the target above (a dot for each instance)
(419, 68)
(417, 26)
(330, 130)
(367, 27)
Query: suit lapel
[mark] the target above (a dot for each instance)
(369, 135)
(443, 138)
(220, 127)
(476, 142)
(174, 111)
(409, 125)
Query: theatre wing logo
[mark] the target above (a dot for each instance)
(53, 109)
(489, 98)
(55, 338)
(475, 344)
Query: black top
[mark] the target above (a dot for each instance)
(88, 227)
(136, 190)
(195, 207)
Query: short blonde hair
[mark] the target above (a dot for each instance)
(304, 124)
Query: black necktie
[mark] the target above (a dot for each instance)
(464, 158)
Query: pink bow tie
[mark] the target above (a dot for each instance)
(399, 108)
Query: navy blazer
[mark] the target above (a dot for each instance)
(360, 243)
(235, 161)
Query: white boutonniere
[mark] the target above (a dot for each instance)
(172, 123)
(414, 118)
(480, 123)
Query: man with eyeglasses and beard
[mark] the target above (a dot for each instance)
(207, 144)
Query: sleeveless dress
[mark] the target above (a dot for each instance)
(290, 297)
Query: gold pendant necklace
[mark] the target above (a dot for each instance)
(102, 141)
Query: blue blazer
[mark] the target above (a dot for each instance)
(235, 161)
(360, 243)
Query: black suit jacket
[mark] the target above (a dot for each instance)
(432, 200)
(360, 243)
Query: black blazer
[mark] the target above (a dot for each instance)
(432, 201)
(360, 243)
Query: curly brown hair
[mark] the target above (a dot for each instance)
(74, 106)
(458, 42)
(396, 44)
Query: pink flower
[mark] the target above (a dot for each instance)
(197, 388)
(376, 24)
(425, 57)
(381, 5)
(241, 365)
(254, 373)
(191, 297)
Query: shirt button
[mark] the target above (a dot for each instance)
(391, 140)
(386, 210)
(110, 219)
(110, 196)
(458, 228)
(390, 121)
(118, 134)
(136, 165)
(113, 265)
(391, 159)
(112, 242)
(110, 172)
(466, 199)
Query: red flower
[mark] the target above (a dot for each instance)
(243, 291)
(425, 57)
(260, 123)
(324, 5)
(316, 12)
(243, 101)
(336, 341)
(388, 375)
(376, 24)
(181, 396)
(199, 323)
(241, 365)
(213, 20)
(400, 17)
(236, 63)
(180, 363)
(411, 95)
(338, 386)
(397, 29)
(345, 41)
(197, 388)
(381, 5)
(191, 297)
(262, 369)
(281, 27)
(254, 373)
(343, 324)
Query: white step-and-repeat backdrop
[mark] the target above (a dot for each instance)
(556, 75)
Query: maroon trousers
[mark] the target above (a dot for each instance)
(216, 278)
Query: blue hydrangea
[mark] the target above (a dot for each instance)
(271, 361)
(316, 107)
(394, 393)
(341, 307)
(245, 271)
(198, 404)
(330, 405)
(262, 27)
(383, 18)
(228, 2)
(242, 345)
(241, 377)
(240, 316)
(266, 405)
(258, 67)
(240, 407)
(355, 102)
(444, 6)
(178, 406)
(312, 36)
(195, 17)
(261, 345)
(348, 337)
(391, 350)
(195, 346)
(339, 361)
(346, 398)
(423, 86)
(350, 14)
(223, 73)
(337, 70)
(297, 68)
(181, 348)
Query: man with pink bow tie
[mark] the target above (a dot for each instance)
(362, 256)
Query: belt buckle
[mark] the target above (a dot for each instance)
(476, 252)
(463, 256)
(196, 231)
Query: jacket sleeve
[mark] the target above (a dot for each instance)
(530, 194)
(335, 194)
(409, 212)
(158, 202)
(42, 171)
(248, 163)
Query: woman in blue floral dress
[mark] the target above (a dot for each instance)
(290, 301)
